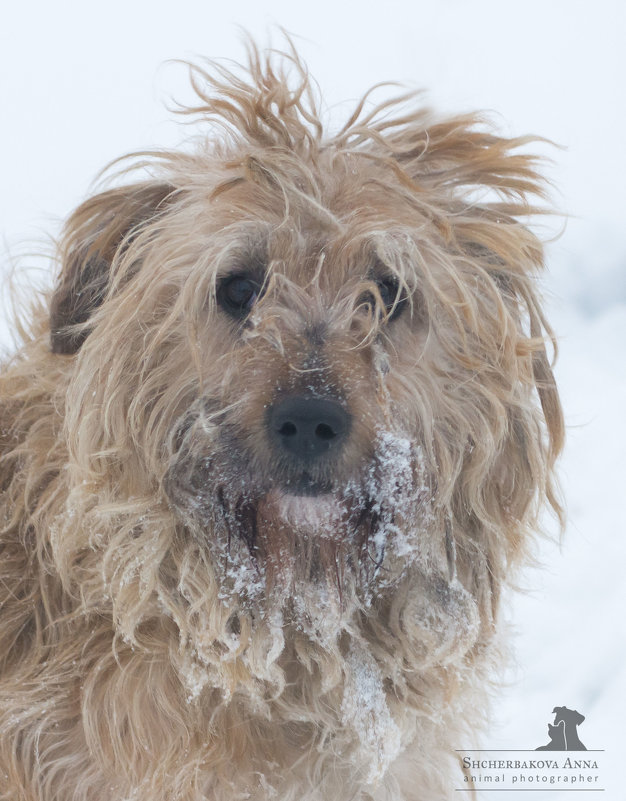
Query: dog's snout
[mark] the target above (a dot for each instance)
(308, 428)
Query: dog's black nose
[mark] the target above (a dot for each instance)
(308, 427)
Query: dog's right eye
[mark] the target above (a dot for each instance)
(237, 294)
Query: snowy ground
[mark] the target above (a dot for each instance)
(78, 88)
(570, 632)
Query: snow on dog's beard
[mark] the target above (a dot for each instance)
(376, 549)
(356, 577)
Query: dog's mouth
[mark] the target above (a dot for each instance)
(300, 510)
(317, 550)
(306, 485)
(312, 526)
(275, 544)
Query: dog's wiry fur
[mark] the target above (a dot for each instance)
(179, 621)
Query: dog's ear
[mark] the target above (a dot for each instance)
(98, 230)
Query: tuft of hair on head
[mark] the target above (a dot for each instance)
(270, 102)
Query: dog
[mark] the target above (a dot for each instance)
(272, 447)
(570, 719)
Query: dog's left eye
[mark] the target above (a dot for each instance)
(237, 294)
(391, 296)
(388, 288)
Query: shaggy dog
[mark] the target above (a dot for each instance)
(270, 450)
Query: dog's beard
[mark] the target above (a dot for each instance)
(318, 555)
(363, 574)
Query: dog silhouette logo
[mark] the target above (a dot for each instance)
(563, 733)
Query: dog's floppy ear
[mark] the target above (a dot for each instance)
(95, 233)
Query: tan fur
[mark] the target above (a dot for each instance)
(175, 625)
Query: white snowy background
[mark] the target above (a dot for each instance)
(82, 83)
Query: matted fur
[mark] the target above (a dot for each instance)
(176, 624)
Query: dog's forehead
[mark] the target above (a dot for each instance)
(330, 228)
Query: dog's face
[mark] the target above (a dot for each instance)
(306, 380)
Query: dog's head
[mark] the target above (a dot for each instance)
(567, 716)
(307, 381)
